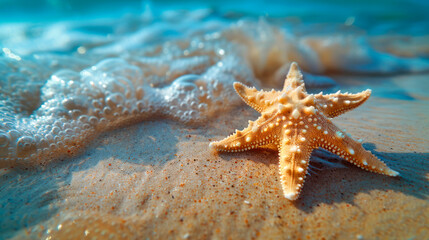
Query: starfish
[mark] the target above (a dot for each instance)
(295, 123)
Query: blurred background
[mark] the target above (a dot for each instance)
(377, 16)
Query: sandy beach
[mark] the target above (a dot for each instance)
(159, 180)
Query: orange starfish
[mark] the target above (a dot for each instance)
(295, 123)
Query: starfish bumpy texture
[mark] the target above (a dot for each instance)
(295, 123)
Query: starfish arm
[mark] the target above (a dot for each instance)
(351, 150)
(294, 78)
(254, 136)
(293, 165)
(258, 100)
(335, 104)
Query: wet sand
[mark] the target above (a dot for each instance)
(159, 180)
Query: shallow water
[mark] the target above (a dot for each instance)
(166, 76)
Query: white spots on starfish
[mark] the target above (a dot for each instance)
(283, 97)
(295, 113)
(291, 195)
(300, 169)
(364, 162)
(392, 173)
(302, 139)
(351, 151)
(325, 132)
(294, 149)
(248, 139)
(318, 127)
(282, 108)
(287, 131)
(309, 99)
(347, 102)
(304, 131)
(255, 128)
(310, 110)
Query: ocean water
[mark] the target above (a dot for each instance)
(71, 71)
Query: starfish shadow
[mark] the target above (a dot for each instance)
(334, 180)
(342, 185)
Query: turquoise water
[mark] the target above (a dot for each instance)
(72, 70)
(367, 13)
